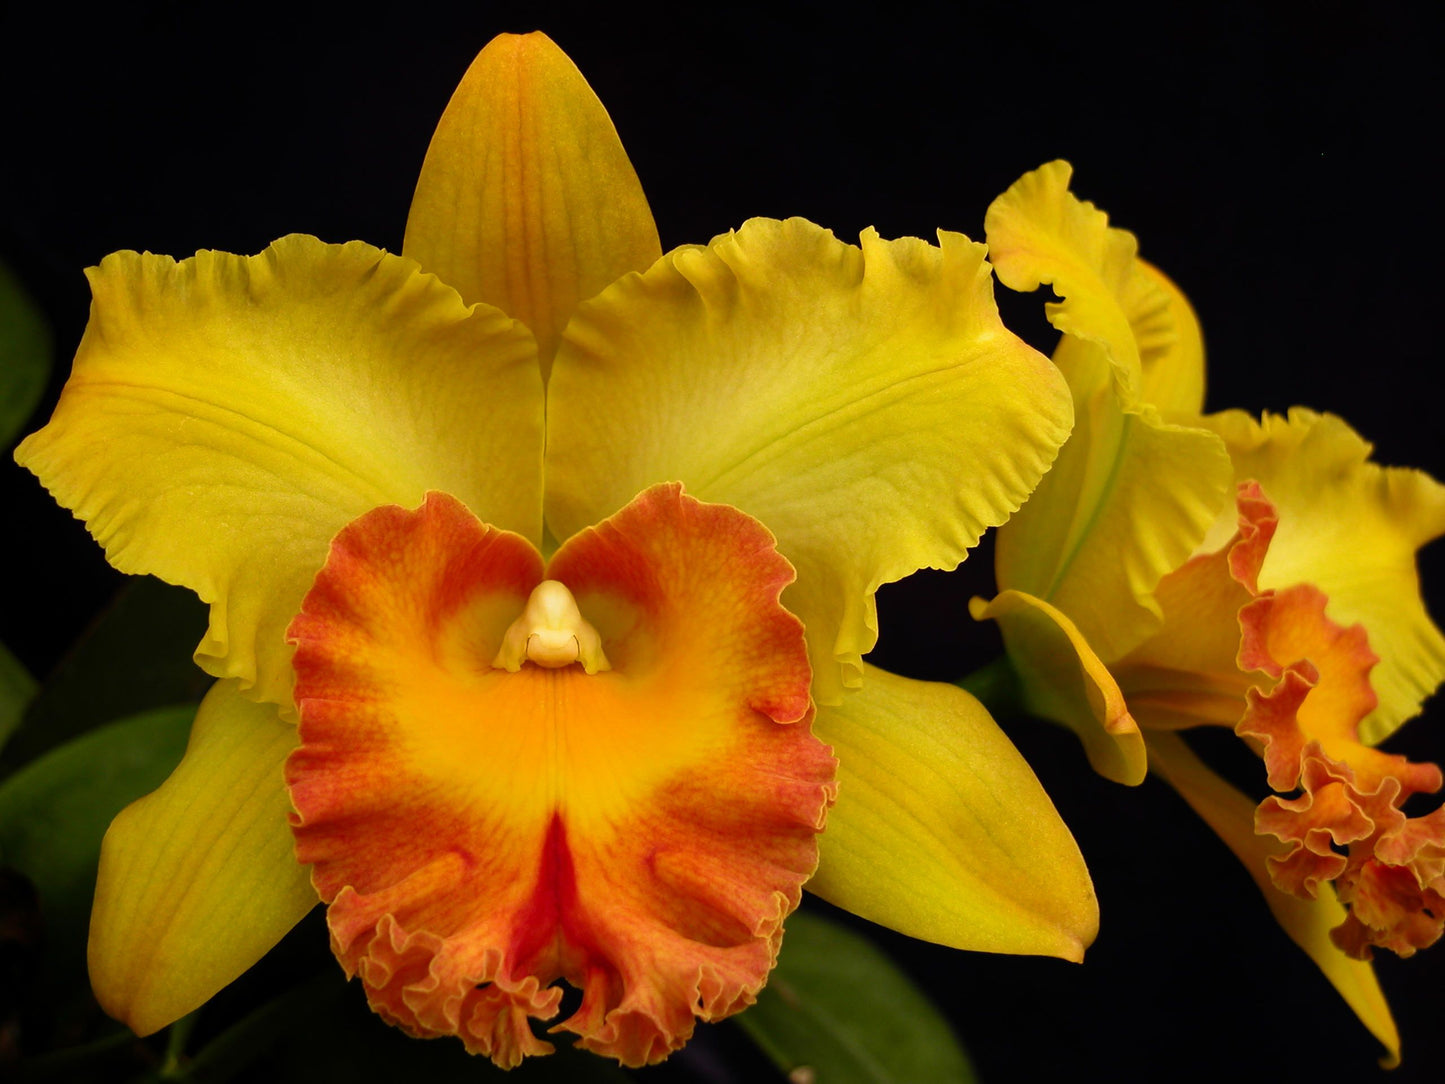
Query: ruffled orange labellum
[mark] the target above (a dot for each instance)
(603, 772)
(1346, 824)
(1273, 664)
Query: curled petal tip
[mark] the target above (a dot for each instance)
(942, 832)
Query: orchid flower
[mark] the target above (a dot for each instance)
(540, 568)
(1177, 570)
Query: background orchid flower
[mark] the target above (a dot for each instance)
(554, 711)
(1177, 570)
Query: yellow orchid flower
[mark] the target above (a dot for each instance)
(1177, 570)
(601, 765)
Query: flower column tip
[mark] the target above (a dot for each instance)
(551, 633)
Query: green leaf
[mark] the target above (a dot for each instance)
(17, 689)
(323, 1030)
(837, 1006)
(54, 811)
(251, 1038)
(24, 356)
(135, 657)
(996, 684)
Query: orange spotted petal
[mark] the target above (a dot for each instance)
(640, 831)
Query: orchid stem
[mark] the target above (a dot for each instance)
(997, 686)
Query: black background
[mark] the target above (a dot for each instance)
(1274, 163)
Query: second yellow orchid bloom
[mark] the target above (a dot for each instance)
(1177, 570)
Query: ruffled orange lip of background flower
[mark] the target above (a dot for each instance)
(641, 831)
(1138, 599)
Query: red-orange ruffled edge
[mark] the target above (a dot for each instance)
(1345, 825)
(641, 832)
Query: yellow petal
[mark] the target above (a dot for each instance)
(1191, 672)
(1351, 528)
(1130, 495)
(1307, 921)
(1128, 499)
(867, 405)
(227, 415)
(1062, 679)
(1041, 233)
(1171, 346)
(941, 830)
(199, 879)
(527, 200)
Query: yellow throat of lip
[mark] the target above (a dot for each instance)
(551, 633)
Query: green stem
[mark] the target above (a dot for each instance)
(997, 686)
(173, 1064)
